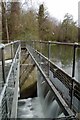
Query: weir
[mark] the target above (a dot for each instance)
(58, 93)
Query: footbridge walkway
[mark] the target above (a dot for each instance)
(56, 89)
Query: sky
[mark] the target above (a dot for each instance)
(58, 8)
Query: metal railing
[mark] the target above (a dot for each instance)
(10, 59)
(57, 95)
(49, 43)
(9, 73)
(69, 87)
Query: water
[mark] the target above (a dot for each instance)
(30, 108)
(42, 106)
(62, 55)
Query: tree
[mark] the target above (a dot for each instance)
(41, 20)
(29, 24)
(14, 20)
(78, 34)
(69, 29)
(10, 20)
(4, 32)
(0, 22)
(45, 24)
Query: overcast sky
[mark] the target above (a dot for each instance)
(58, 8)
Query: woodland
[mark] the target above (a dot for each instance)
(22, 21)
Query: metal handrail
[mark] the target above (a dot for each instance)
(7, 80)
(58, 97)
(74, 84)
(72, 80)
(54, 42)
(61, 101)
(56, 66)
(74, 45)
(5, 45)
(3, 94)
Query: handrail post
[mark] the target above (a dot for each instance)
(12, 51)
(74, 57)
(3, 65)
(73, 73)
(41, 45)
(4, 77)
(48, 57)
(35, 45)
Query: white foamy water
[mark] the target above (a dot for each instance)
(30, 108)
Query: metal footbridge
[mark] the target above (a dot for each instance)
(55, 87)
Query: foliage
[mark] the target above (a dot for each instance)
(29, 28)
(41, 21)
(32, 24)
(4, 32)
(69, 29)
(45, 24)
(14, 20)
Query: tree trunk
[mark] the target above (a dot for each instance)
(4, 32)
